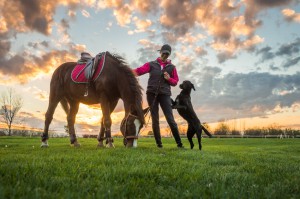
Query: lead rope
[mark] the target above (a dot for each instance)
(155, 97)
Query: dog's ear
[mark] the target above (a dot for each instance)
(193, 87)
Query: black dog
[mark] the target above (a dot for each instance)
(185, 109)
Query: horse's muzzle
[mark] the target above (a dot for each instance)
(131, 143)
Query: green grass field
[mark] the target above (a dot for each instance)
(225, 168)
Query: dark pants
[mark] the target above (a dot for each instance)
(166, 106)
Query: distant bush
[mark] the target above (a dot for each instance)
(235, 132)
(222, 129)
(272, 130)
(253, 131)
(2, 133)
(89, 136)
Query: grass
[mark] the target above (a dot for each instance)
(226, 168)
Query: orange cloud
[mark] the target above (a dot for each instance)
(145, 7)
(291, 15)
(3, 27)
(22, 70)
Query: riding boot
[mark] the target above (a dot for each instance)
(157, 136)
(176, 136)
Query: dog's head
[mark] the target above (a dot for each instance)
(187, 85)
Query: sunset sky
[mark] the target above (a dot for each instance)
(242, 56)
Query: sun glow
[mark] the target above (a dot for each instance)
(92, 115)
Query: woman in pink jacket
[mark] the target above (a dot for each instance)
(162, 75)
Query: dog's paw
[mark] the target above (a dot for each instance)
(192, 146)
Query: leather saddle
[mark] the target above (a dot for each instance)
(91, 64)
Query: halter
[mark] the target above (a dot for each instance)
(125, 120)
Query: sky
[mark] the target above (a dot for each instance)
(242, 56)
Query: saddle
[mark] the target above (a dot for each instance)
(88, 69)
(91, 64)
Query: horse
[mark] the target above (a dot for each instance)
(116, 81)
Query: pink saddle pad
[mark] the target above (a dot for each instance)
(78, 75)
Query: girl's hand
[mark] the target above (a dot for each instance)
(166, 76)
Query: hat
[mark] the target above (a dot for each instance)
(166, 48)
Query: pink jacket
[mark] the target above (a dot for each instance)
(146, 68)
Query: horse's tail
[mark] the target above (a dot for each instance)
(65, 105)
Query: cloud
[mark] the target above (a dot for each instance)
(38, 93)
(147, 52)
(253, 7)
(232, 24)
(291, 62)
(285, 50)
(85, 13)
(145, 7)
(21, 68)
(274, 68)
(228, 26)
(266, 53)
(37, 45)
(289, 49)
(236, 91)
(291, 15)
(141, 25)
(178, 16)
(226, 6)
(3, 26)
(36, 57)
(200, 51)
(35, 14)
(31, 15)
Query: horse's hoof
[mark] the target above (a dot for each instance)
(76, 144)
(100, 145)
(44, 144)
(110, 145)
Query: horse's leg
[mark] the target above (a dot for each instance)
(105, 106)
(100, 137)
(74, 106)
(54, 97)
(48, 118)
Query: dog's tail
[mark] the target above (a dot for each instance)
(206, 131)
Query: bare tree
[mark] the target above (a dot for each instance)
(11, 103)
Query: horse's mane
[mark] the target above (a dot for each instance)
(135, 86)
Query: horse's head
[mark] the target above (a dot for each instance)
(131, 126)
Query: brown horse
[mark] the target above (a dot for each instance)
(115, 82)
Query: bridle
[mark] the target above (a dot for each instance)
(126, 137)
